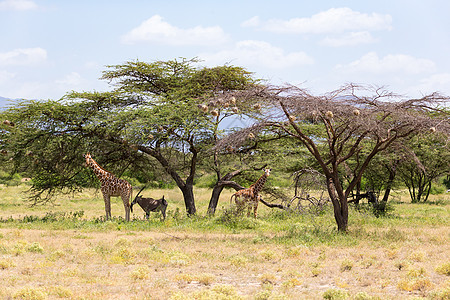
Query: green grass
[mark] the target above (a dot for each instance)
(85, 211)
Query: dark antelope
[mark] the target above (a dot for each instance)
(150, 204)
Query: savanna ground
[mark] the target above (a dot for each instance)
(68, 251)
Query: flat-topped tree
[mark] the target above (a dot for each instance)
(151, 115)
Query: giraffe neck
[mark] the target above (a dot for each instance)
(258, 185)
(99, 171)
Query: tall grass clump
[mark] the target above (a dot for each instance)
(30, 293)
(231, 219)
(335, 294)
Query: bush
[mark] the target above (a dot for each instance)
(437, 189)
(335, 294)
(35, 247)
(235, 220)
(140, 273)
(30, 293)
(443, 269)
(206, 181)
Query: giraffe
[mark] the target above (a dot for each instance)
(111, 186)
(250, 196)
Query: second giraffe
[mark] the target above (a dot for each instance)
(250, 196)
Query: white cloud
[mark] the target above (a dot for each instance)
(5, 76)
(351, 39)
(72, 79)
(392, 63)
(437, 82)
(156, 30)
(258, 53)
(252, 22)
(334, 20)
(17, 5)
(23, 57)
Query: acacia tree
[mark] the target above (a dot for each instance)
(353, 118)
(428, 159)
(152, 114)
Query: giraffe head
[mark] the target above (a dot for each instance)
(267, 172)
(89, 159)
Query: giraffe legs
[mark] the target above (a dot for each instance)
(252, 204)
(107, 199)
(126, 204)
(255, 207)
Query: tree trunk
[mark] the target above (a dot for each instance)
(390, 182)
(186, 187)
(358, 192)
(221, 183)
(340, 207)
(189, 202)
(214, 199)
(428, 188)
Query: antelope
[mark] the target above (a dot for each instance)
(150, 204)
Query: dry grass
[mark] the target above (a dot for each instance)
(270, 258)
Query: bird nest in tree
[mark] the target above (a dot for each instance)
(311, 194)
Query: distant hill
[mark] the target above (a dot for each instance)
(4, 102)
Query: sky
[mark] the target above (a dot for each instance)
(49, 48)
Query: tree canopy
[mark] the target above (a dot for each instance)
(153, 114)
(168, 116)
(356, 120)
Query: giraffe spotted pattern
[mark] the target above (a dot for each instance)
(250, 196)
(111, 186)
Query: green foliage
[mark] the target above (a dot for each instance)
(443, 269)
(437, 188)
(335, 294)
(10, 180)
(149, 124)
(446, 181)
(206, 181)
(429, 161)
(234, 220)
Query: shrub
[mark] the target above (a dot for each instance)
(205, 279)
(61, 292)
(55, 255)
(346, 265)
(316, 271)
(184, 278)
(235, 220)
(291, 283)
(268, 255)
(206, 181)
(415, 280)
(123, 256)
(179, 259)
(437, 189)
(418, 256)
(35, 247)
(239, 260)
(443, 269)
(218, 292)
(30, 293)
(140, 273)
(362, 296)
(440, 294)
(335, 294)
(267, 278)
(6, 263)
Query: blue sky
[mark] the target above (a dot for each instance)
(48, 48)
